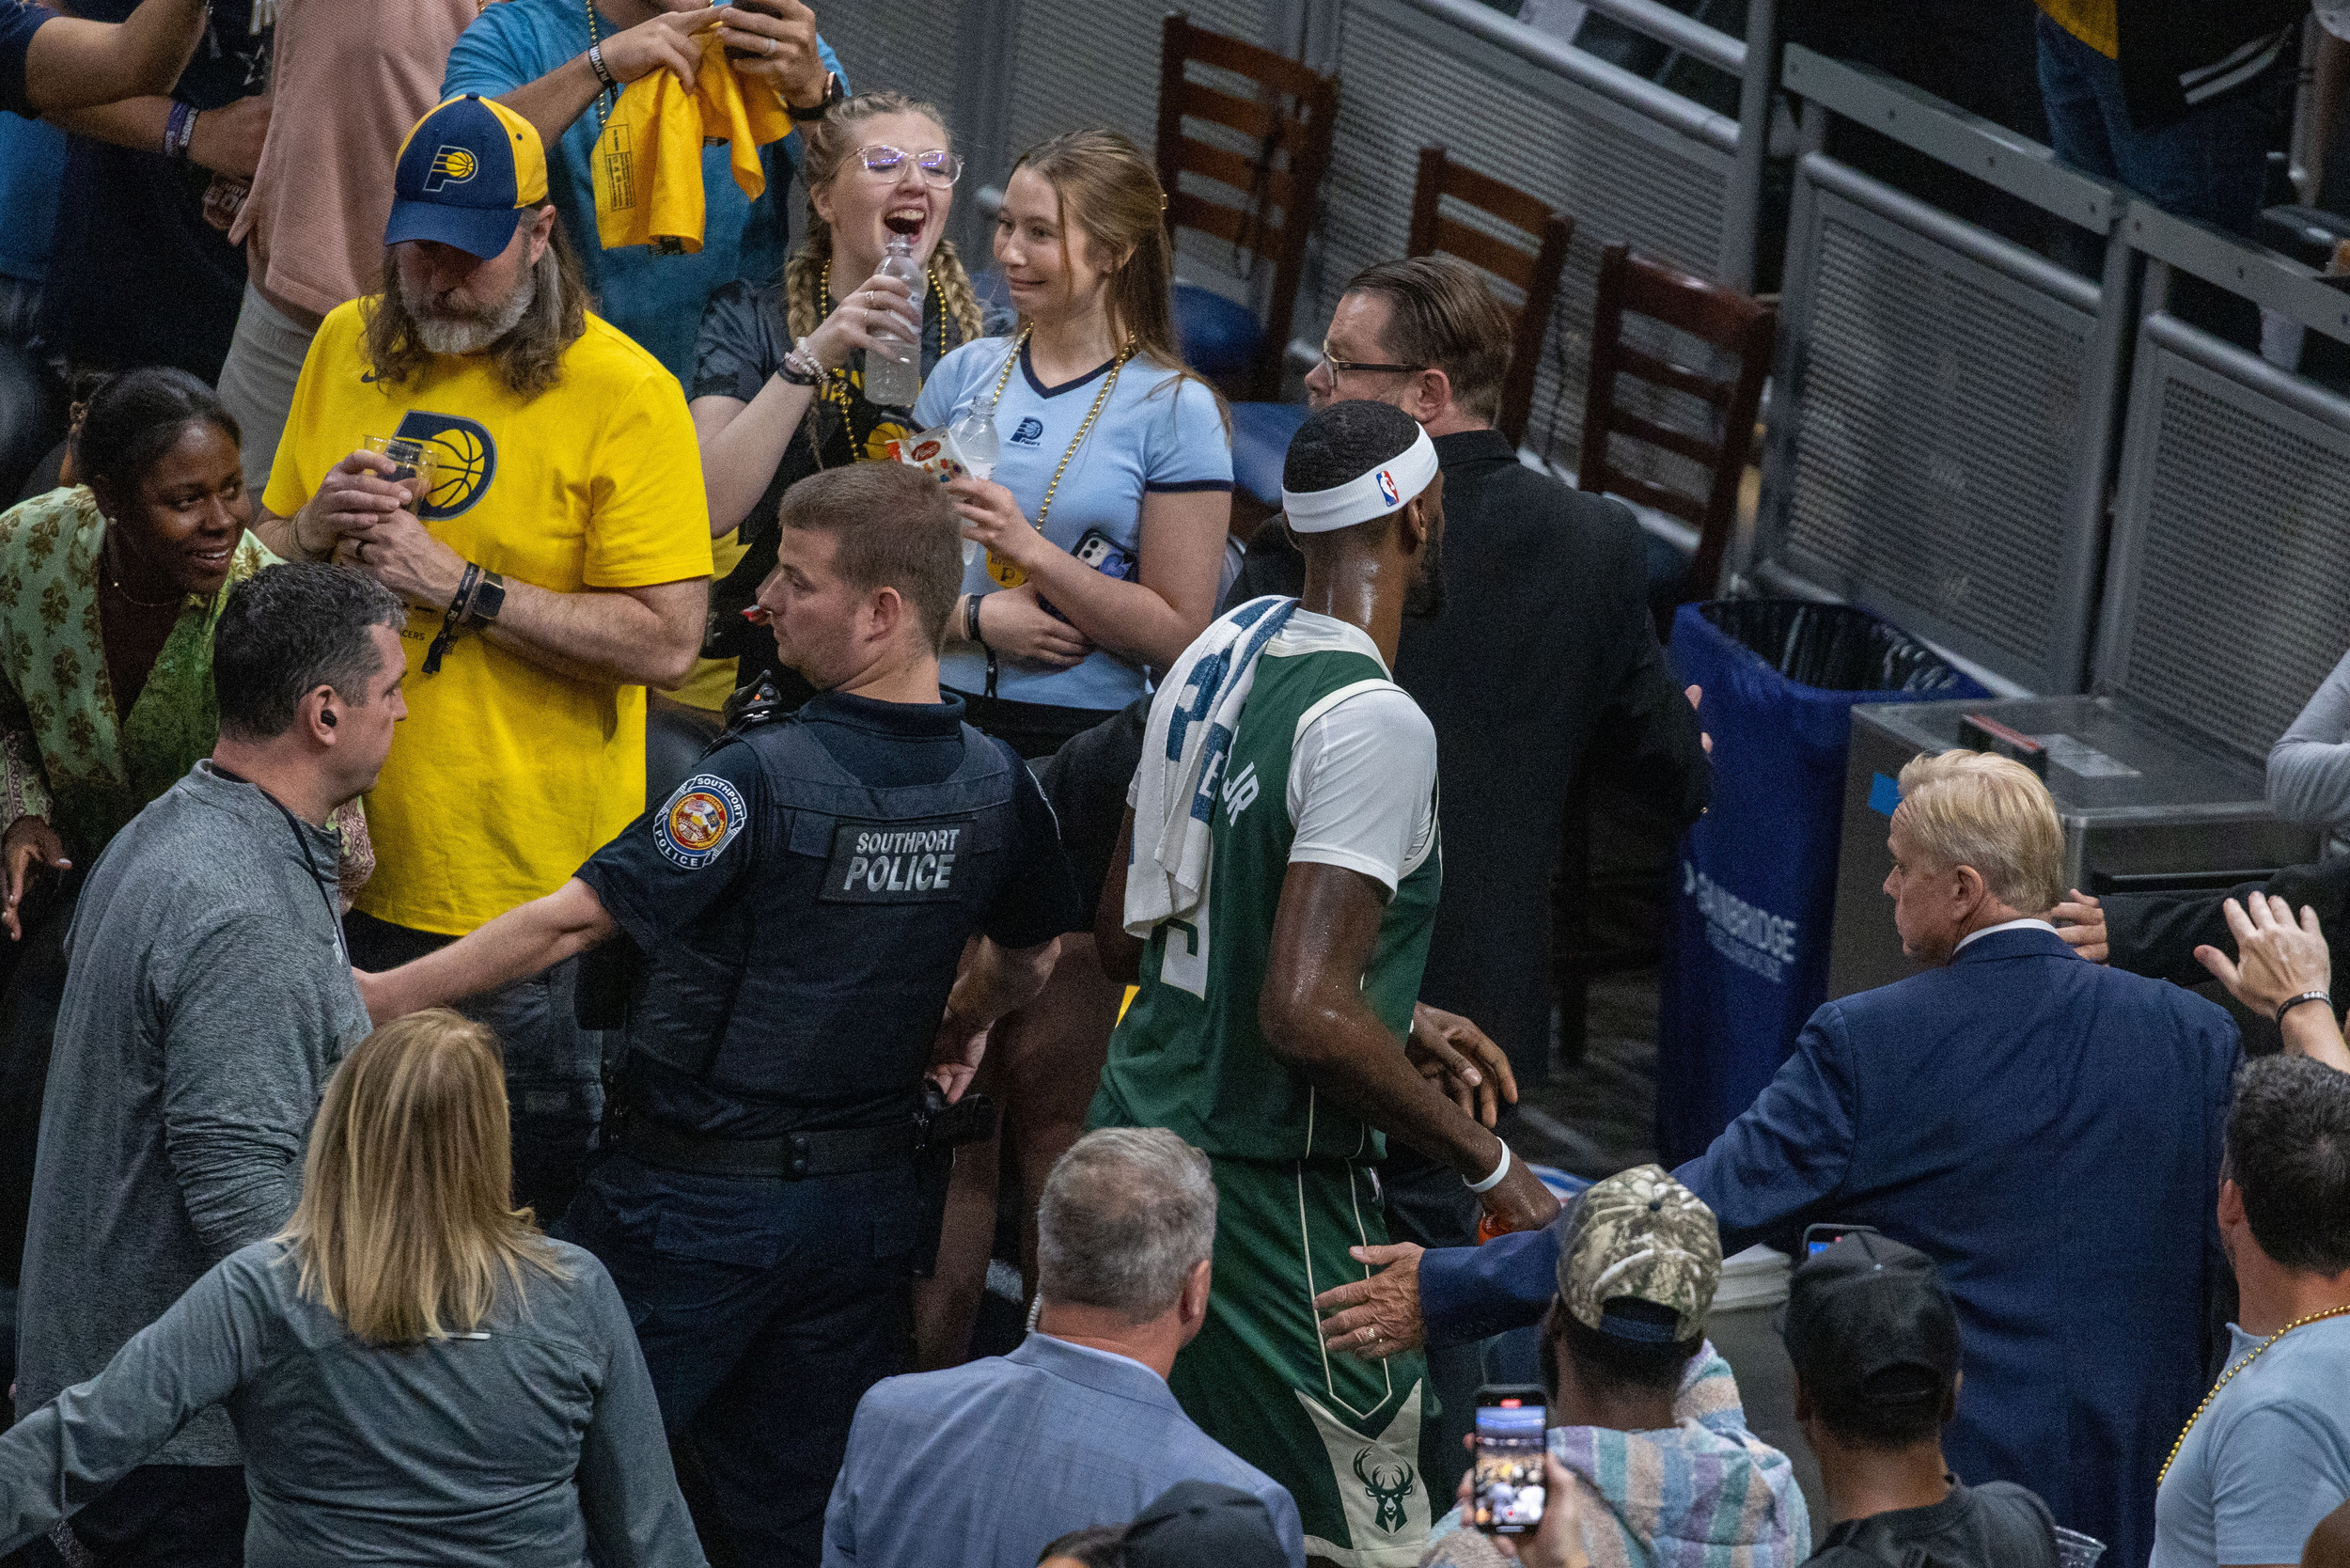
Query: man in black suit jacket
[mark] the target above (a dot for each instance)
(1541, 670)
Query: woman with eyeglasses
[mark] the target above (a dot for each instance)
(778, 389)
(416, 1374)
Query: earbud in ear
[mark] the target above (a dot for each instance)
(327, 718)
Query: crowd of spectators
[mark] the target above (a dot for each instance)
(548, 879)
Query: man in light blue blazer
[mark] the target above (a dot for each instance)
(2045, 1129)
(984, 1463)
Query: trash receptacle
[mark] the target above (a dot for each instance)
(1756, 892)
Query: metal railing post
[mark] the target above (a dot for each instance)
(1742, 204)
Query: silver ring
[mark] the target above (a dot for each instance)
(770, 46)
(1370, 1334)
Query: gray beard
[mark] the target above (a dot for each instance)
(467, 334)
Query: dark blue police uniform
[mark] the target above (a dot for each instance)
(800, 905)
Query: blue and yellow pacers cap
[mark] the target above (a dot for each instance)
(465, 171)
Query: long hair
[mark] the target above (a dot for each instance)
(530, 360)
(405, 1230)
(824, 148)
(1109, 193)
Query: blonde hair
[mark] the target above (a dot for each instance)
(1972, 809)
(407, 1221)
(824, 148)
(1110, 192)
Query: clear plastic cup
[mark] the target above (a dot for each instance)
(412, 463)
(2075, 1550)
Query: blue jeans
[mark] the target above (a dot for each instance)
(2212, 166)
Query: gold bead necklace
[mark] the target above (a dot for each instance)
(2251, 1356)
(1001, 570)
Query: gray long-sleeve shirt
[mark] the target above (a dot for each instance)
(206, 995)
(509, 1449)
(2308, 767)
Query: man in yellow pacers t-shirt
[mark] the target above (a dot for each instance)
(555, 559)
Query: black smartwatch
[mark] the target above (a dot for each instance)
(823, 107)
(488, 597)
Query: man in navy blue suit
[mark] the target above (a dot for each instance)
(2045, 1129)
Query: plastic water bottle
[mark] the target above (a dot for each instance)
(896, 383)
(972, 438)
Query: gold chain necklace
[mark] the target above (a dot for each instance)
(113, 580)
(595, 36)
(1001, 570)
(2251, 1356)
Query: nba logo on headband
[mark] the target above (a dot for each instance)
(1388, 492)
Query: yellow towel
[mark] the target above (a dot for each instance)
(2092, 21)
(649, 161)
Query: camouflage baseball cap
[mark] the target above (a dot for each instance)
(1640, 1233)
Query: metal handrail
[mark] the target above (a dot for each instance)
(2273, 282)
(1949, 134)
(1667, 26)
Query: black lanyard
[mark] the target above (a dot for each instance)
(302, 842)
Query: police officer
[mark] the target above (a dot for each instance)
(798, 907)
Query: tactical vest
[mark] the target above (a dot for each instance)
(822, 985)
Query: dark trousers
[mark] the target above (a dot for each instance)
(761, 1331)
(166, 1516)
(2212, 166)
(554, 1068)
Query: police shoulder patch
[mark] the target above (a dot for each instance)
(700, 821)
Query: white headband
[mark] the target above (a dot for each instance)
(1381, 490)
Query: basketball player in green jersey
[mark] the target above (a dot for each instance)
(1275, 995)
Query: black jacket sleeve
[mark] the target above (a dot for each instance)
(1648, 738)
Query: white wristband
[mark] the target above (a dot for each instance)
(1494, 1180)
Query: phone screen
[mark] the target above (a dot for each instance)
(1506, 1496)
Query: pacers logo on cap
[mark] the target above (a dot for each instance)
(451, 166)
(1388, 492)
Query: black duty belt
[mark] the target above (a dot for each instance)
(794, 1157)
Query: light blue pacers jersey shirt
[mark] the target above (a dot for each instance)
(657, 300)
(1158, 431)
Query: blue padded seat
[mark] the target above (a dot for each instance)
(1260, 442)
(1218, 337)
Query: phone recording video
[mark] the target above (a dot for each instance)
(1506, 1495)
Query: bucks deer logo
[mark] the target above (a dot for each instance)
(1388, 1493)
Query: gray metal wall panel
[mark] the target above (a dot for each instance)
(1937, 415)
(2231, 526)
(1082, 63)
(909, 46)
(1621, 175)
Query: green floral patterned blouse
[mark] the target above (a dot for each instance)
(65, 752)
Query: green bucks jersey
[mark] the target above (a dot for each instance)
(1189, 1054)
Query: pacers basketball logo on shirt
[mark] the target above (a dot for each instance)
(464, 460)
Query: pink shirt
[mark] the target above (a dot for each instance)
(352, 76)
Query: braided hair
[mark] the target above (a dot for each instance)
(826, 147)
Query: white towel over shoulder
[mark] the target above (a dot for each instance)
(1185, 747)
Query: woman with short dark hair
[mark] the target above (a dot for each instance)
(414, 1372)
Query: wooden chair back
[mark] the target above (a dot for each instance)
(1532, 269)
(1290, 120)
(1739, 325)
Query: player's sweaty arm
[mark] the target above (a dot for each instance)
(520, 942)
(1314, 1018)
